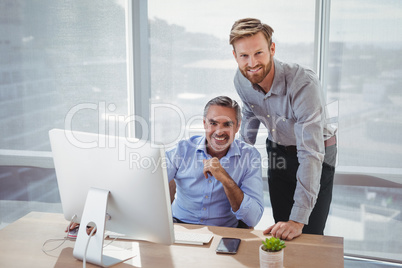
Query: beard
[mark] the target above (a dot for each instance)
(220, 145)
(260, 76)
(214, 146)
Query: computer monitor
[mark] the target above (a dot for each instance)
(114, 177)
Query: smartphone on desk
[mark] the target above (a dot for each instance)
(228, 245)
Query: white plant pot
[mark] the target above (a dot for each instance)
(271, 259)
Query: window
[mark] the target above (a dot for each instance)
(63, 65)
(364, 74)
(364, 77)
(192, 61)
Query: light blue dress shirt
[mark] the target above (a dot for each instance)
(203, 201)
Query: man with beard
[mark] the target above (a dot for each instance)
(287, 100)
(218, 179)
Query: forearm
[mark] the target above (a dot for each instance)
(310, 147)
(307, 188)
(234, 194)
(252, 206)
(246, 208)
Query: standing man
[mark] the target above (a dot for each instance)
(287, 100)
(218, 179)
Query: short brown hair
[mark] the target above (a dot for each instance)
(249, 27)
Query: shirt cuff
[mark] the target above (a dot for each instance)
(247, 213)
(299, 214)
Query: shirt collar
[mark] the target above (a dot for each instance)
(233, 150)
(201, 146)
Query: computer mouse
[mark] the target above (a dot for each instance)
(73, 233)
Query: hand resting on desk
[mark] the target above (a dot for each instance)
(285, 230)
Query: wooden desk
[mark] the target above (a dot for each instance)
(21, 246)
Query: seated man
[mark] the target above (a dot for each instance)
(218, 179)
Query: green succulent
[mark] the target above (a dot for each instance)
(273, 244)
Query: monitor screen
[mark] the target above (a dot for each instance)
(132, 171)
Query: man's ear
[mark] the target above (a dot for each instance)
(272, 49)
(235, 56)
(238, 127)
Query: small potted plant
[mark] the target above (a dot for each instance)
(271, 253)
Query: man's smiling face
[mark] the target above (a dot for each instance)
(220, 126)
(254, 57)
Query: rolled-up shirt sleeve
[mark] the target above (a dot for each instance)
(252, 206)
(172, 162)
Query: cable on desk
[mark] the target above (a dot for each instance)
(114, 239)
(63, 239)
(84, 260)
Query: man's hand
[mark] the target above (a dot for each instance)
(77, 225)
(72, 226)
(285, 230)
(214, 168)
(234, 194)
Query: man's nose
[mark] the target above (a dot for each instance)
(219, 129)
(251, 61)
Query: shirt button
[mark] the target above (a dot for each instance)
(252, 106)
(273, 130)
(209, 181)
(283, 119)
(201, 220)
(204, 208)
(268, 116)
(279, 142)
(206, 196)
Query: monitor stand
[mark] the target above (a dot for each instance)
(95, 214)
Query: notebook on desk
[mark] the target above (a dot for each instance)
(189, 238)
